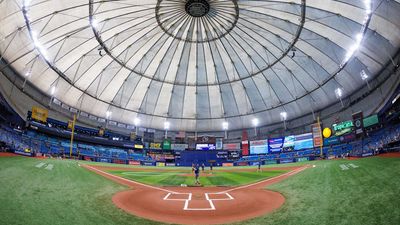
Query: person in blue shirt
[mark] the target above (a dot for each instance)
(196, 174)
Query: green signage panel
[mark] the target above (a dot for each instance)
(372, 120)
(342, 125)
(167, 145)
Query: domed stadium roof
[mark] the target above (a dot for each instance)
(198, 63)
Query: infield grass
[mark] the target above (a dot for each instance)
(326, 194)
(216, 178)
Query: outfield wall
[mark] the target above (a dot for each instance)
(199, 157)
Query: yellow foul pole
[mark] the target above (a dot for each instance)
(72, 136)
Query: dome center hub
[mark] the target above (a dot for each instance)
(197, 8)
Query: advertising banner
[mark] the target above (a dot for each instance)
(70, 124)
(347, 137)
(370, 121)
(135, 163)
(254, 163)
(289, 141)
(227, 164)
(133, 136)
(331, 141)
(233, 154)
(138, 146)
(358, 124)
(179, 147)
(275, 144)
(87, 158)
(26, 152)
(269, 162)
(343, 125)
(259, 147)
(119, 161)
(121, 125)
(303, 159)
(317, 135)
(303, 141)
(155, 145)
(101, 132)
(39, 114)
(161, 164)
(242, 163)
(206, 140)
(245, 147)
(105, 160)
(232, 146)
(222, 155)
(113, 123)
(205, 147)
(218, 143)
(166, 145)
(344, 131)
(282, 161)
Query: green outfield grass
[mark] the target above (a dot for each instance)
(218, 178)
(326, 194)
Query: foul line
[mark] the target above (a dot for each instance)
(131, 181)
(259, 182)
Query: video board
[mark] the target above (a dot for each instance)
(258, 147)
(303, 141)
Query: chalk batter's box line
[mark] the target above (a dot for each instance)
(219, 199)
(210, 201)
(189, 198)
(167, 198)
(186, 207)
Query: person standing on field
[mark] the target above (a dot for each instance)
(197, 174)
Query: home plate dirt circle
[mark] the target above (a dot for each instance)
(149, 204)
(198, 205)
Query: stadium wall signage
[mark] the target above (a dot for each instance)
(179, 147)
(342, 125)
(155, 145)
(232, 146)
(39, 114)
(206, 140)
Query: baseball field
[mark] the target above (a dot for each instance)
(52, 191)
